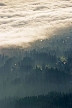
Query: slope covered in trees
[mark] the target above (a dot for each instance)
(28, 72)
(51, 100)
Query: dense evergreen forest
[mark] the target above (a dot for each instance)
(51, 100)
(44, 68)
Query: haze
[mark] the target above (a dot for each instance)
(24, 21)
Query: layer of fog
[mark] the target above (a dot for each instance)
(23, 90)
(24, 21)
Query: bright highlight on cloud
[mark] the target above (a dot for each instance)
(24, 21)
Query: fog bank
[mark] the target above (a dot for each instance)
(24, 21)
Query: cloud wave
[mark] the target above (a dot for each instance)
(25, 21)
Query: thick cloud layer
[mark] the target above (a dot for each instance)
(24, 21)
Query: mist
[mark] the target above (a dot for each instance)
(25, 21)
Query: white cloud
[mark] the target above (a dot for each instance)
(25, 21)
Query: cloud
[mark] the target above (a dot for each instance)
(2, 4)
(26, 21)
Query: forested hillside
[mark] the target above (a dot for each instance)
(51, 100)
(38, 70)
